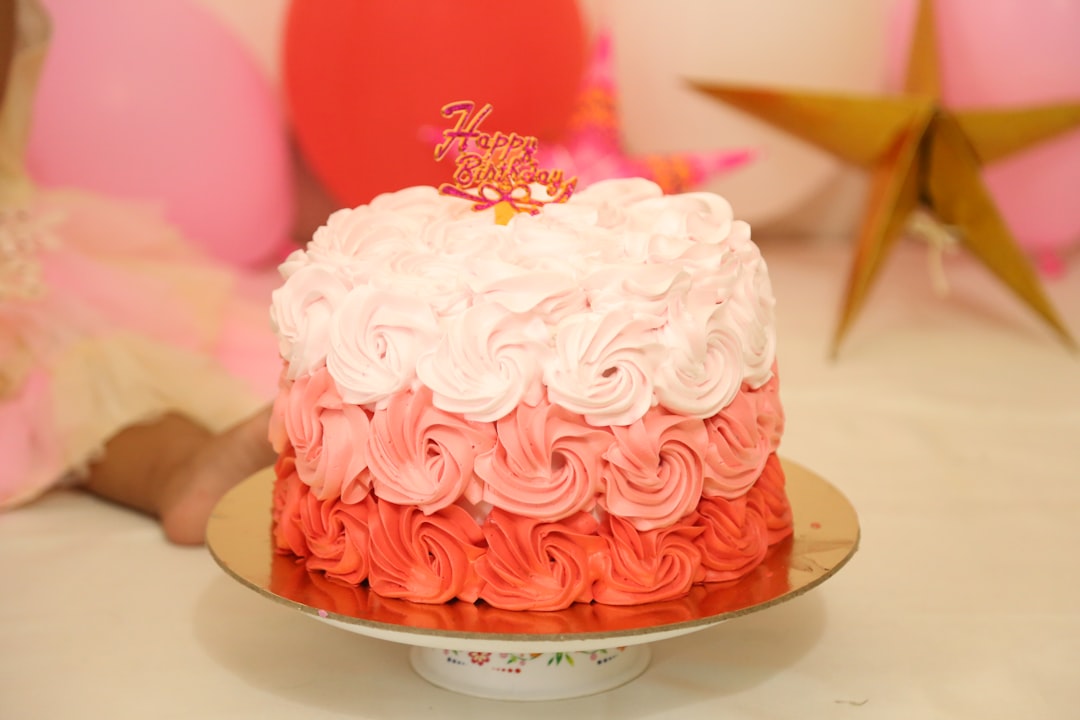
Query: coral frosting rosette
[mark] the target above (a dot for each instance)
(650, 566)
(579, 406)
(425, 558)
(534, 565)
(337, 537)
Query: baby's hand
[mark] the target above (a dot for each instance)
(195, 485)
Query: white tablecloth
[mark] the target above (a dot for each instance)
(953, 425)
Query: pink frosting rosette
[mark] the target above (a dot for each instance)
(770, 413)
(655, 469)
(289, 496)
(337, 537)
(547, 463)
(737, 448)
(424, 558)
(532, 565)
(420, 455)
(642, 567)
(276, 433)
(734, 540)
(328, 437)
(767, 496)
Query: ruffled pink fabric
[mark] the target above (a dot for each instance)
(128, 323)
(26, 437)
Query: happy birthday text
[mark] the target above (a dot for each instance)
(495, 169)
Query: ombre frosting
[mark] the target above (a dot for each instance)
(620, 300)
(579, 406)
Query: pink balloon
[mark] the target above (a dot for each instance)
(157, 101)
(1002, 53)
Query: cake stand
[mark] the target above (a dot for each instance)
(487, 652)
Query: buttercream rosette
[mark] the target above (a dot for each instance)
(517, 562)
(536, 565)
(426, 558)
(323, 432)
(579, 406)
(616, 302)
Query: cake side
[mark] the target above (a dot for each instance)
(579, 406)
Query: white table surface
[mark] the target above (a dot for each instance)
(953, 425)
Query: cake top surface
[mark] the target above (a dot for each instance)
(616, 301)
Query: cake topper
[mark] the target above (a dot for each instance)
(496, 169)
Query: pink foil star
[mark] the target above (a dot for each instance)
(592, 149)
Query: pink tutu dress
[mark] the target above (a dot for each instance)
(107, 317)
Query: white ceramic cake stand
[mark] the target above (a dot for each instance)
(483, 651)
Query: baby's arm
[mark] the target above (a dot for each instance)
(176, 470)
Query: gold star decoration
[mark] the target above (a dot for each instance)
(920, 155)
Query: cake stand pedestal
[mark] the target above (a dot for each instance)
(479, 650)
(530, 676)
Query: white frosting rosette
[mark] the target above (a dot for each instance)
(642, 290)
(442, 282)
(300, 314)
(486, 363)
(549, 242)
(603, 367)
(751, 313)
(549, 295)
(704, 366)
(295, 260)
(362, 234)
(619, 193)
(375, 338)
(620, 300)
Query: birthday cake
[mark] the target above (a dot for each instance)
(579, 405)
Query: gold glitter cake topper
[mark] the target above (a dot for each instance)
(496, 169)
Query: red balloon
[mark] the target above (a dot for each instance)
(364, 79)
